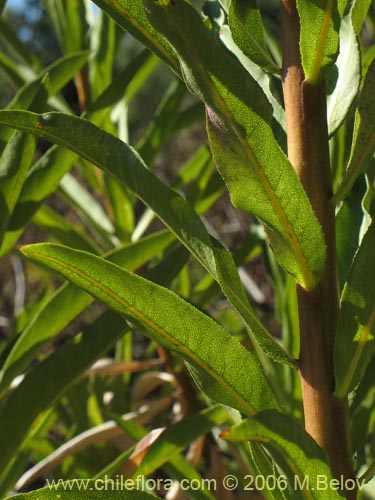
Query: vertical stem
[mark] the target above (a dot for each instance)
(326, 418)
(83, 88)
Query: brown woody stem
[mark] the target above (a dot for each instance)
(326, 418)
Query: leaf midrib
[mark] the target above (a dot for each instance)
(118, 7)
(344, 387)
(154, 326)
(308, 277)
(59, 140)
(315, 70)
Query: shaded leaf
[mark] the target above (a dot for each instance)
(319, 35)
(358, 13)
(355, 338)
(69, 22)
(54, 374)
(363, 144)
(85, 203)
(67, 302)
(63, 231)
(348, 67)
(130, 15)
(14, 165)
(70, 490)
(103, 44)
(21, 51)
(178, 467)
(260, 76)
(245, 23)
(240, 113)
(349, 220)
(282, 436)
(116, 157)
(163, 122)
(42, 180)
(179, 436)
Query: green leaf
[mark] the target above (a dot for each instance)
(114, 156)
(359, 12)
(63, 231)
(21, 51)
(14, 165)
(50, 80)
(319, 35)
(233, 289)
(2, 6)
(245, 23)
(348, 68)
(283, 437)
(363, 144)
(71, 490)
(121, 204)
(263, 181)
(103, 43)
(264, 79)
(11, 71)
(42, 180)
(169, 320)
(355, 338)
(138, 69)
(46, 173)
(263, 466)
(163, 122)
(178, 467)
(85, 203)
(55, 374)
(292, 237)
(69, 22)
(67, 302)
(130, 15)
(177, 437)
(349, 220)
(59, 73)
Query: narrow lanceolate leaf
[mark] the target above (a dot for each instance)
(130, 15)
(363, 144)
(263, 181)
(169, 320)
(359, 13)
(69, 22)
(67, 302)
(355, 338)
(14, 165)
(246, 25)
(50, 80)
(349, 220)
(42, 180)
(264, 79)
(56, 373)
(179, 436)
(46, 173)
(70, 490)
(348, 67)
(319, 38)
(290, 239)
(283, 437)
(233, 289)
(120, 160)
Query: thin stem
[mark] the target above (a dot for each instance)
(83, 88)
(326, 418)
